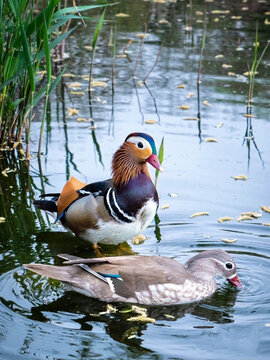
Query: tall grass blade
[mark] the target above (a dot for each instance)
(160, 158)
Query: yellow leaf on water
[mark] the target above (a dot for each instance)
(72, 112)
(139, 239)
(144, 319)
(231, 74)
(80, 119)
(211, 140)
(247, 73)
(150, 121)
(141, 35)
(236, 17)
(189, 95)
(219, 56)
(184, 107)
(225, 218)
(98, 84)
(121, 56)
(266, 224)
(191, 118)
(226, 66)
(253, 214)
(85, 77)
(199, 214)
(267, 13)
(229, 241)
(122, 15)
(206, 103)
(22, 152)
(240, 177)
(75, 85)
(221, 12)
(265, 208)
(2, 219)
(163, 21)
(4, 172)
(244, 218)
(199, 13)
(166, 206)
(139, 310)
(249, 115)
(88, 47)
(16, 144)
(140, 83)
(216, 20)
(79, 93)
(182, 86)
(69, 75)
(219, 125)
(245, 8)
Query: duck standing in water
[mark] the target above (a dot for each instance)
(114, 210)
(149, 280)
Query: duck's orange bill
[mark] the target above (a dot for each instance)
(235, 281)
(68, 194)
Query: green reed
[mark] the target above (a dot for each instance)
(160, 158)
(27, 38)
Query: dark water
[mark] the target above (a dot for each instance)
(39, 318)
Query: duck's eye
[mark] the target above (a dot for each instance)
(229, 265)
(140, 145)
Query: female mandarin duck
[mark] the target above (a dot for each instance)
(149, 280)
(114, 210)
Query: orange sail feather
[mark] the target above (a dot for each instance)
(68, 194)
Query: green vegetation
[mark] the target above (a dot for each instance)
(28, 36)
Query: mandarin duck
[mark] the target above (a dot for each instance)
(148, 280)
(114, 210)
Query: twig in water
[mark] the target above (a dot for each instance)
(140, 52)
(155, 64)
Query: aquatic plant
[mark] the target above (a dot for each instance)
(27, 37)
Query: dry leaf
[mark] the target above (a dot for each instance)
(219, 125)
(121, 56)
(88, 47)
(248, 73)
(22, 152)
(79, 93)
(266, 224)
(142, 319)
(216, 20)
(225, 218)
(4, 172)
(16, 144)
(184, 107)
(240, 177)
(182, 86)
(199, 13)
(72, 112)
(199, 214)
(190, 118)
(211, 140)
(139, 310)
(265, 208)
(98, 84)
(122, 15)
(219, 56)
(252, 214)
(245, 8)
(85, 77)
(244, 218)
(188, 28)
(140, 83)
(249, 115)
(236, 17)
(220, 12)
(141, 35)
(80, 119)
(163, 21)
(206, 103)
(69, 75)
(139, 239)
(93, 127)
(2, 219)
(226, 66)
(229, 241)
(231, 74)
(150, 121)
(166, 206)
(75, 85)
(173, 195)
(189, 95)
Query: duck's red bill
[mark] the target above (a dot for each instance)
(153, 160)
(235, 281)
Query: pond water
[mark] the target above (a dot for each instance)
(39, 318)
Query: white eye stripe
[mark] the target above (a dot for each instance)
(224, 265)
(137, 139)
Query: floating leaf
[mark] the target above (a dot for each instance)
(225, 218)
(98, 84)
(163, 21)
(221, 12)
(211, 140)
(216, 20)
(236, 17)
(4, 172)
(226, 66)
(266, 224)
(199, 214)
(150, 121)
(229, 241)
(182, 86)
(240, 177)
(80, 119)
(140, 83)
(139, 239)
(139, 310)
(144, 319)
(79, 93)
(141, 35)
(199, 13)
(166, 206)
(2, 219)
(244, 218)
(169, 316)
(249, 115)
(72, 112)
(188, 28)
(253, 214)
(68, 75)
(122, 15)
(206, 103)
(184, 107)
(219, 56)
(199, 21)
(75, 85)
(248, 73)
(220, 125)
(245, 8)
(265, 208)
(85, 77)
(121, 56)
(231, 73)
(88, 47)
(93, 127)
(189, 95)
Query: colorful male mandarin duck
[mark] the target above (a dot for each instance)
(114, 210)
(149, 280)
